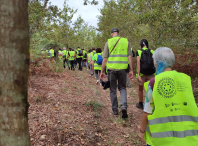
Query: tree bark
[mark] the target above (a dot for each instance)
(14, 67)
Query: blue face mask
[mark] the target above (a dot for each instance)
(160, 67)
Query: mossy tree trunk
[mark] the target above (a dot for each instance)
(14, 66)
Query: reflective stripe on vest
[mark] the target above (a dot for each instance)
(118, 59)
(118, 56)
(176, 134)
(175, 118)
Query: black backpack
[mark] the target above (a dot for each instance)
(146, 62)
(80, 53)
(85, 56)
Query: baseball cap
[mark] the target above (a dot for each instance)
(115, 29)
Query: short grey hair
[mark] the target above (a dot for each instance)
(164, 55)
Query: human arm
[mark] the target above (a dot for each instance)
(143, 125)
(138, 68)
(104, 62)
(92, 63)
(130, 61)
(148, 108)
(68, 55)
(131, 67)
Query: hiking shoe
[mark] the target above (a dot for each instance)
(124, 114)
(115, 113)
(140, 106)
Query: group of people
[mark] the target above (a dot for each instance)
(170, 114)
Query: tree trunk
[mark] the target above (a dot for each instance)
(14, 66)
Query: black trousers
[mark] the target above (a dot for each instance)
(72, 64)
(64, 61)
(79, 61)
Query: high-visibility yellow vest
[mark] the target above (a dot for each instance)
(52, 52)
(71, 55)
(92, 53)
(118, 58)
(65, 52)
(59, 54)
(97, 66)
(77, 52)
(175, 118)
(42, 52)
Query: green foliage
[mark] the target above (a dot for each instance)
(170, 23)
(57, 66)
(53, 27)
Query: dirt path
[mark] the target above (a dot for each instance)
(70, 109)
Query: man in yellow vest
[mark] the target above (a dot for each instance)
(79, 58)
(117, 55)
(71, 56)
(64, 56)
(170, 116)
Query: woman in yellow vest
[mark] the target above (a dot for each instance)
(88, 61)
(170, 116)
(97, 64)
(145, 68)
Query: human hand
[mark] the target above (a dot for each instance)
(140, 79)
(130, 74)
(102, 75)
(141, 135)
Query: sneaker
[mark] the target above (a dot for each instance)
(97, 82)
(115, 113)
(124, 114)
(140, 106)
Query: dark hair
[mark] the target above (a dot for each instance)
(143, 43)
(59, 48)
(93, 48)
(90, 50)
(70, 49)
(98, 50)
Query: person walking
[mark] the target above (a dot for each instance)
(88, 61)
(91, 71)
(79, 58)
(170, 115)
(85, 58)
(97, 64)
(71, 56)
(60, 54)
(145, 68)
(127, 78)
(65, 53)
(117, 55)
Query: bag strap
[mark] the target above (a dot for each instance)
(115, 45)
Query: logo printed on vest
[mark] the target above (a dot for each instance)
(166, 87)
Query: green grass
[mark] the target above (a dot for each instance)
(96, 106)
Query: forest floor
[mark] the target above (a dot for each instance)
(69, 109)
